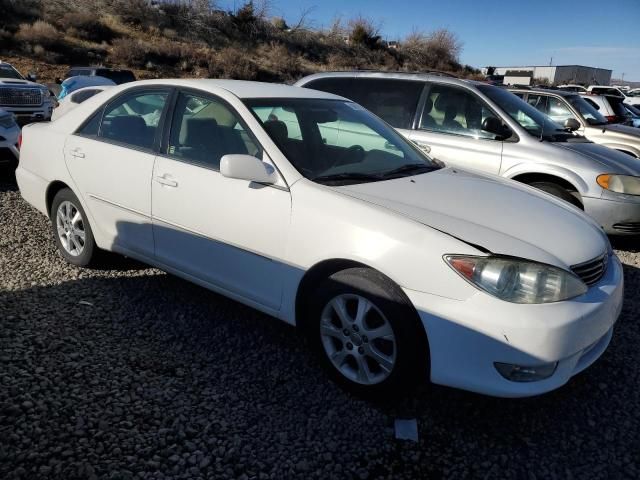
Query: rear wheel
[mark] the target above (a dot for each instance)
(71, 229)
(366, 333)
(558, 191)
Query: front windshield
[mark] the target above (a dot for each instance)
(7, 71)
(531, 119)
(337, 142)
(588, 111)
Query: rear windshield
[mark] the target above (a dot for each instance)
(588, 111)
(7, 71)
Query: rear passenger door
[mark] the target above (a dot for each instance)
(450, 128)
(110, 159)
(226, 232)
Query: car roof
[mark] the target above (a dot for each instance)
(419, 76)
(241, 88)
(548, 91)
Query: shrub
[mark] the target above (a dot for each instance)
(87, 26)
(14, 11)
(40, 33)
(128, 51)
(437, 50)
(364, 33)
(232, 63)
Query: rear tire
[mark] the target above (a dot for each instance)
(71, 229)
(558, 191)
(367, 334)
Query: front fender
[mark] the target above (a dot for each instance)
(548, 169)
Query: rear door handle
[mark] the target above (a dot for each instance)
(163, 180)
(76, 152)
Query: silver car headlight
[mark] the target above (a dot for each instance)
(517, 280)
(626, 184)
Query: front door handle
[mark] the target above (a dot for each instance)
(76, 152)
(163, 180)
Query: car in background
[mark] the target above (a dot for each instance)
(118, 76)
(634, 112)
(384, 259)
(27, 100)
(485, 128)
(610, 106)
(573, 88)
(75, 98)
(575, 113)
(9, 134)
(613, 91)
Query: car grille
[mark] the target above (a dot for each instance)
(20, 96)
(629, 227)
(592, 271)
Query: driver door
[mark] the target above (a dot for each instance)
(450, 129)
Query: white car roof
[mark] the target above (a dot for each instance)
(240, 88)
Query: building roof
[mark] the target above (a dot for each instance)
(554, 66)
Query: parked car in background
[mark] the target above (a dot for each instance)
(575, 113)
(613, 91)
(118, 76)
(383, 258)
(610, 106)
(9, 133)
(481, 127)
(573, 88)
(27, 100)
(75, 98)
(72, 84)
(634, 112)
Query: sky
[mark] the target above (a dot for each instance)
(595, 33)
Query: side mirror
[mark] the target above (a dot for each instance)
(247, 167)
(495, 126)
(571, 124)
(32, 77)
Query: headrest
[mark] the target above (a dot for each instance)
(199, 130)
(277, 130)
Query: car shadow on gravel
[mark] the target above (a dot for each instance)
(151, 373)
(8, 179)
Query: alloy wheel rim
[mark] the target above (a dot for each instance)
(70, 227)
(358, 339)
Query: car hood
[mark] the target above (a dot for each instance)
(17, 83)
(613, 160)
(490, 213)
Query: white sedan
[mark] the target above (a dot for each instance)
(309, 208)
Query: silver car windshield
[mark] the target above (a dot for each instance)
(588, 111)
(7, 71)
(338, 142)
(531, 119)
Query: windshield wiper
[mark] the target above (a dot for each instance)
(411, 167)
(347, 176)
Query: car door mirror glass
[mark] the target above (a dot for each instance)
(247, 167)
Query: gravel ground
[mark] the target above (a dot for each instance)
(127, 372)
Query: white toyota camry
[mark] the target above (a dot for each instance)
(309, 208)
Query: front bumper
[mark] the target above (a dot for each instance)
(617, 214)
(30, 114)
(467, 337)
(8, 145)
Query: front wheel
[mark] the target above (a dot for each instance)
(557, 191)
(71, 229)
(367, 334)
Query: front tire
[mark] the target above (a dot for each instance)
(71, 229)
(367, 334)
(557, 191)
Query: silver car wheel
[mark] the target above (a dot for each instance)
(70, 226)
(358, 339)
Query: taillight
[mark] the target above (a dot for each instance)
(610, 118)
(20, 141)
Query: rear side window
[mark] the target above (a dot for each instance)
(538, 101)
(92, 126)
(78, 72)
(80, 97)
(338, 86)
(395, 101)
(134, 119)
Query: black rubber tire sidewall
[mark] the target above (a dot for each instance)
(557, 191)
(412, 353)
(89, 252)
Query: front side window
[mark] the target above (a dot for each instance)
(134, 119)
(203, 130)
(333, 141)
(539, 102)
(454, 110)
(7, 71)
(559, 111)
(529, 118)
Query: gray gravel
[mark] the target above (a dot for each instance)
(127, 372)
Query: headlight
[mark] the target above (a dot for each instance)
(620, 183)
(517, 280)
(45, 92)
(8, 121)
